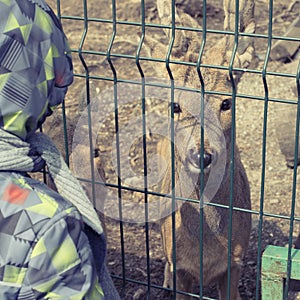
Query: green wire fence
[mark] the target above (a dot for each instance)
(97, 31)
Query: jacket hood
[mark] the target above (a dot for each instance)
(35, 65)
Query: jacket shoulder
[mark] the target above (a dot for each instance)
(20, 194)
(28, 208)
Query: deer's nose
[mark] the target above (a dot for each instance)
(195, 158)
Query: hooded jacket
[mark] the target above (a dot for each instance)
(48, 250)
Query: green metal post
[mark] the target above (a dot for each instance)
(275, 269)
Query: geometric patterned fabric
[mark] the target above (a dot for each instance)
(35, 65)
(44, 253)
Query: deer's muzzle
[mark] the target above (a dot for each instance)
(194, 160)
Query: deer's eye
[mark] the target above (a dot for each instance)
(226, 104)
(176, 108)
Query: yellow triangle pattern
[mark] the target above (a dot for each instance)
(46, 287)
(49, 57)
(43, 87)
(41, 19)
(47, 208)
(14, 274)
(12, 23)
(65, 255)
(49, 72)
(39, 248)
(55, 52)
(6, 2)
(25, 30)
(3, 79)
(15, 122)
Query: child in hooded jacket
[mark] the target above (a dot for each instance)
(52, 244)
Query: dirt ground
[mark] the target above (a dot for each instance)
(128, 253)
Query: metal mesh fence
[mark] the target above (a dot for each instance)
(119, 105)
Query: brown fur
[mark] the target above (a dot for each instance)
(216, 219)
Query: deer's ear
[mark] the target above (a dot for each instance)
(164, 9)
(246, 15)
(246, 25)
(183, 38)
(246, 46)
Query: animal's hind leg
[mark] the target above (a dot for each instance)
(168, 283)
(235, 272)
(184, 283)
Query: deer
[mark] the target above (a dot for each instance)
(189, 151)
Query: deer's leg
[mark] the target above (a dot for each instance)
(235, 272)
(184, 281)
(168, 276)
